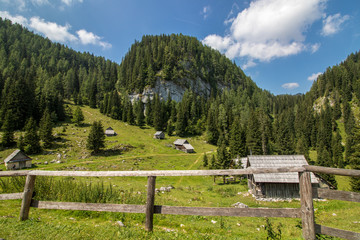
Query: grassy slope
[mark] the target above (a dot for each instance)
(152, 154)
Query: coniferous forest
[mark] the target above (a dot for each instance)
(37, 76)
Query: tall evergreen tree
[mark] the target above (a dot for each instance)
(355, 157)
(7, 139)
(31, 138)
(140, 117)
(46, 128)
(78, 116)
(237, 142)
(96, 138)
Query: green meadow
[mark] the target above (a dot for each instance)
(135, 149)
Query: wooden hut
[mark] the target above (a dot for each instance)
(277, 185)
(184, 145)
(17, 160)
(109, 132)
(159, 135)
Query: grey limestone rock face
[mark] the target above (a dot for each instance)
(176, 89)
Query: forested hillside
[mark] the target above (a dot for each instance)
(36, 76)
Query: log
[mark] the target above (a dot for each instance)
(335, 171)
(336, 195)
(307, 207)
(169, 173)
(26, 200)
(334, 232)
(150, 200)
(231, 212)
(14, 173)
(98, 207)
(9, 196)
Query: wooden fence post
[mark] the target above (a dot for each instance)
(150, 203)
(27, 196)
(307, 207)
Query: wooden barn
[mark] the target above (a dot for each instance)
(17, 160)
(277, 185)
(184, 145)
(159, 135)
(109, 132)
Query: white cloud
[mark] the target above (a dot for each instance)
(314, 76)
(230, 18)
(56, 32)
(249, 64)
(19, 4)
(290, 86)
(332, 24)
(39, 2)
(269, 29)
(15, 19)
(315, 47)
(69, 2)
(206, 11)
(52, 30)
(90, 38)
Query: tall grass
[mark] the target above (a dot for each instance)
(72, 190)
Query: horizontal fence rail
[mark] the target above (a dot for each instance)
(305, 212)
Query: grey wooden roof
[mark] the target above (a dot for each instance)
(242, 161)
(158, 133)
(17, 156)
(180, 142)
(276, 161)
(188, 146)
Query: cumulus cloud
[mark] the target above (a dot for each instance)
(15, 19)
(269, 29)
(314, 76)
(86, 38)
(57, 32)
(332, 24)
(290, 86)
(52, 30)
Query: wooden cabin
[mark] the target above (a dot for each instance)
(184, 145)
(159, 135)
(109, 132)
(17, 160)
(277, 185)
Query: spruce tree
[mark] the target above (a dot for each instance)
(78, 116)
(96, 138)
(140, 118)
(7, 139)
(205, 160)
(31, 138)
(237, 142)
(45, 130)
(355, 158)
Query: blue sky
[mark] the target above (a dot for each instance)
(281, 44)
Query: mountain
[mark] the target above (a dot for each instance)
(173, 63)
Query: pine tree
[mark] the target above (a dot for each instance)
(45, 130)
(237, 142)
(130, 114)
(31, 138)
(7, 139)
(205, 160)
(78, 116)
(140, 118)
(96, 138)
(355, 158)
(213, 164)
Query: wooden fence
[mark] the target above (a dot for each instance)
(305, 212)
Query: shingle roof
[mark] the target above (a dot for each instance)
(180, 142)
(17, 156)
(277, 161)
(158, 133)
